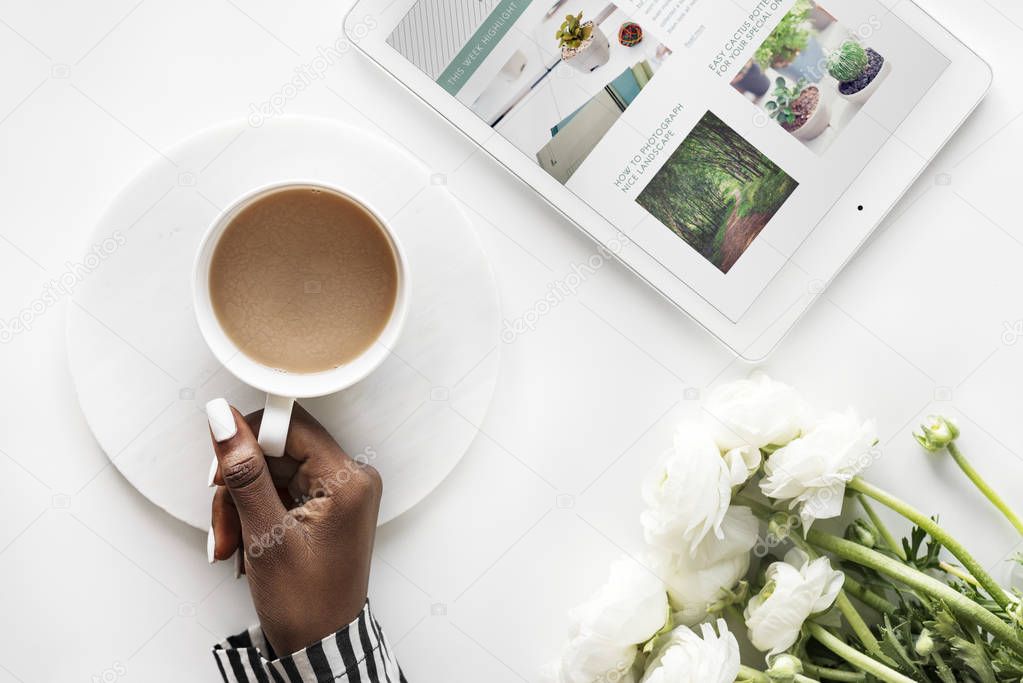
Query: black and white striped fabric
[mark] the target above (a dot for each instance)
(358, 653)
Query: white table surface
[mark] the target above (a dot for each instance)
(473, 584)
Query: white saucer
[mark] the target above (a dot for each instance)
(143, 373)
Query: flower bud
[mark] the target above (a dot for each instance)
(936, 433)
(784, 669)
(780, 525)
(861, 533)
(924, 644)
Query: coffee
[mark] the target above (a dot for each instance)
(303, 280)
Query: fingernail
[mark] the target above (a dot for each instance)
(213, 472)
(221, 420)
(211, 546)
(238, 563)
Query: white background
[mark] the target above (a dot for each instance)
(473, 584)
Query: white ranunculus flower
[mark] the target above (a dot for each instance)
(795, 590)
(688, 493)
(692, 593)
(757, 412)
(697, 580)
(627, 610)
(685, 657)
(812, 471)
(742, 463)
(588, 658)
(739, 532)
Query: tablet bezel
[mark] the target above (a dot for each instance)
(831, 244)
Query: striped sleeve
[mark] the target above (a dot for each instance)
(358, 653)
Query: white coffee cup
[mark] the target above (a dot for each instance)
(283, 387)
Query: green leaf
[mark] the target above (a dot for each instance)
(894, 643)
(945, 673)
(573, 32)
(968, 652)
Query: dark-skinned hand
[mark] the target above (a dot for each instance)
(304, 523)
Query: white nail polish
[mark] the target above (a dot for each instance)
(221, 420)
(211, 546)
(213, 472)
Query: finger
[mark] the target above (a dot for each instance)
(314, 465)
(227, 526)
(325, 469)
(282, 470)
(243, 468)
(311, 441)
(309, 445)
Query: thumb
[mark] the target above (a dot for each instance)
(244, 469)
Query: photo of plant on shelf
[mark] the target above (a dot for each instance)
(792, 47)
(859, 70)
(583, 45)
(799, 109)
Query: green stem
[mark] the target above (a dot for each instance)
(848, 610)
(860, 628)
(868, 597)
(759, 509)
(941, 666)
(881, 527)
(923, 583)
(748, 674)
(975, 477)
(735, 613)
(826, 674)
(937, 533)
(958, 573)
(855, 657)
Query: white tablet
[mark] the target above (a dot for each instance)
(733, 154)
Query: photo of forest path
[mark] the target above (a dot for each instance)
(717, 192)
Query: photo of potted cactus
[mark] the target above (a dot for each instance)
(859, 71)
(800, 109)
(583, 45)
(819, 74)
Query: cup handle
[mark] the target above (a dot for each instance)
(273, 430)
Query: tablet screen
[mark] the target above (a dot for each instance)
(714, 134)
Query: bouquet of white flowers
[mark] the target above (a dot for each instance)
(728, 525)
